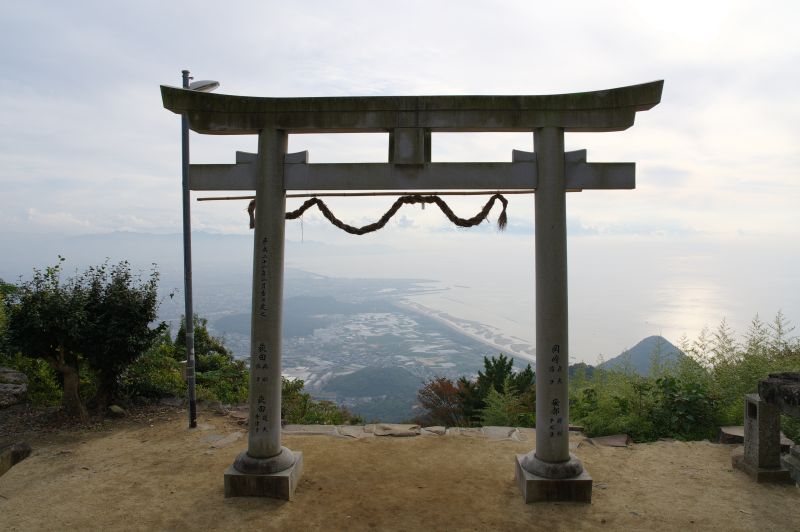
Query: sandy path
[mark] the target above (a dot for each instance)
(165, 477)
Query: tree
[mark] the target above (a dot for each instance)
(5, 290)
(99, 319)
(119, 310)
(46, 319)
(497, 370)
(210, 352)
(470, 398)
(440, 397)
(217, 371)
(503, 408)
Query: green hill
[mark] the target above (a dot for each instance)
(640, 357)
(377, 394)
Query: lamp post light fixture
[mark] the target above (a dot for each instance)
(203, 86)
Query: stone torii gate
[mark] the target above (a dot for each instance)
(549, 472)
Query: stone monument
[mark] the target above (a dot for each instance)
(761, 457)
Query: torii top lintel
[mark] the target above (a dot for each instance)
(222, 114)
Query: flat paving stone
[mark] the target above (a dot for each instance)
(324, 430)
(616, 440)
(735, 434)
(396, 430)
(354, 431)
(465, 431)
(498, 433)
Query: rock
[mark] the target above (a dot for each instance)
(617, 440)
(524, 434)
(140, 400)
(12, 376)
(325, 430)
(396, 430)
(171, 401)
(433, 431)
(219, 441)
(498, 433)
(217, 406)
(117, 411)
(13, 387)
(736, 435)
(12, 454)
(354, 431)
(730, 435)
(464, 431)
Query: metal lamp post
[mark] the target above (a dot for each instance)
(205, 86)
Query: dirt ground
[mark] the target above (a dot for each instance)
(153, 473)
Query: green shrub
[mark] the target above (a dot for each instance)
(502, 408)
(683, 410)
(155, 374)
(228, 384)
(299, 407)
(690, 399)
(43, 386)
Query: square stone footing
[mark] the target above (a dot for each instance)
(540, 489)
(276, 486)
(760, 474)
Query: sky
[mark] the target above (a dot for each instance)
(709, 233)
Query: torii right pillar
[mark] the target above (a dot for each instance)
(550, 472)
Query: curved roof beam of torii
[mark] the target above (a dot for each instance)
(222, 114)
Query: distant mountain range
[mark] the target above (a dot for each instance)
(641, 357)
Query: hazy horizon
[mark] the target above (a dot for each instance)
(489, 280)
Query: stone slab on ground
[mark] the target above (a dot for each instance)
(791, 462)
(354, 431)
(540, 489)
(524, 434)
(759, 474)
(12, 454)
(436, 430)
(218, 441)
(616, 440)
(396, 430)
(735, 434)
(279, 485)
(13, 387)
(498, 433)
(470, 432)
(325, 430)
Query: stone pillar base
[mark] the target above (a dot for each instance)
(760, 474)
(280, 485)
(540, 489)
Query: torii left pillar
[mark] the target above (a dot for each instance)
(266, 469)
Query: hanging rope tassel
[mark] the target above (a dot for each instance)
(502, 220)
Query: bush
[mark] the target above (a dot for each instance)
(88, 328)
(299, 407)
(155, 374)
(691, 399)
(502, 409)
(499, 396)
(43, 386)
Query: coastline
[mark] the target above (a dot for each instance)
(485, 334)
